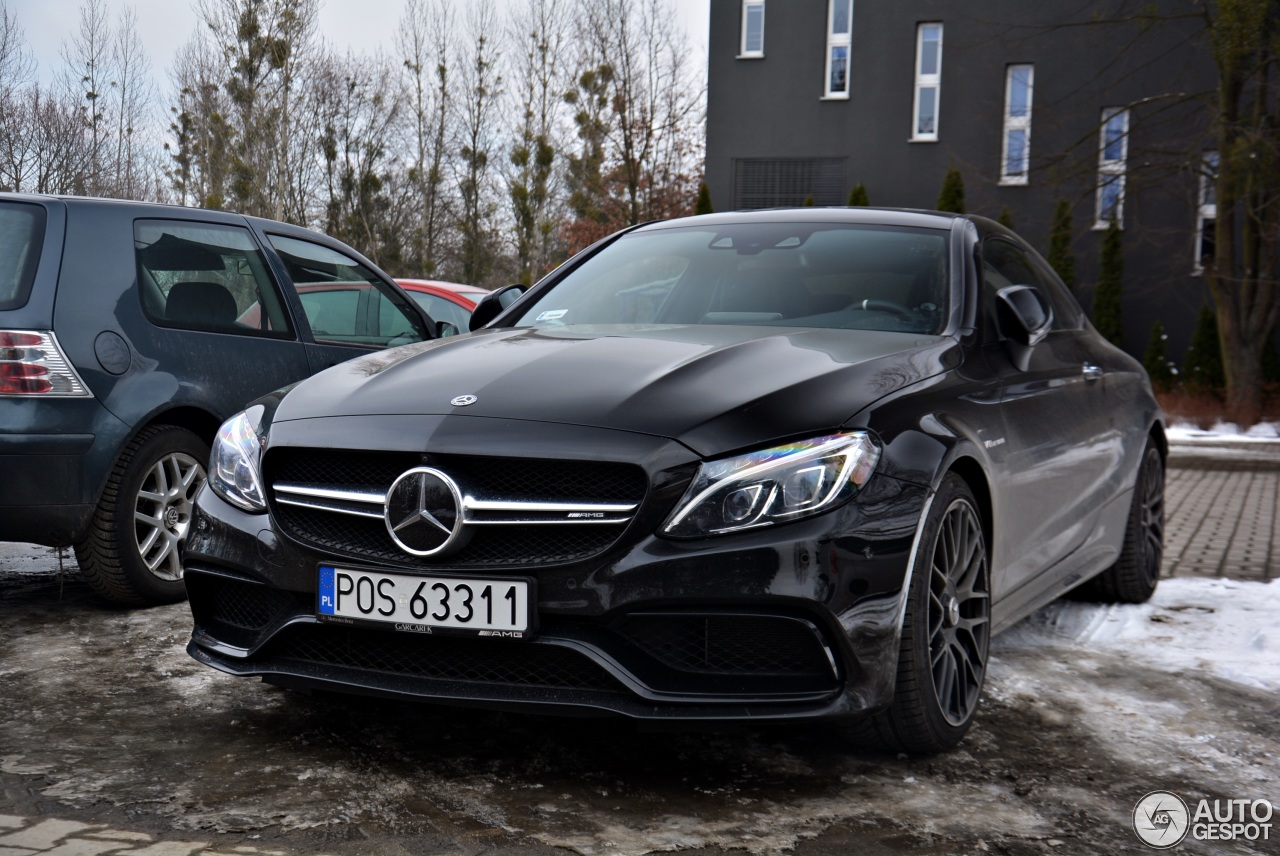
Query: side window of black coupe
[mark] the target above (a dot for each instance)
(206, 276)
(345, 302)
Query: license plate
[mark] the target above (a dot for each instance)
(487, 607)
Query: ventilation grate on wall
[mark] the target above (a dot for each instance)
(779, 182)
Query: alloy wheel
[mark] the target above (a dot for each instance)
(1151, 515)
(959, 613)
(162, 512)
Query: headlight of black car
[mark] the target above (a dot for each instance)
(775, 485)
(234, 472)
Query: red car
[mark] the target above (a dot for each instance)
(445, 302)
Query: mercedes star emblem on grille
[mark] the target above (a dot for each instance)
(424, 511)
(464, 400)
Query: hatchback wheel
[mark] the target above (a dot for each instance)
(946, 633)
(133, 553)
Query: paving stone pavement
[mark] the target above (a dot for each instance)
(23, 836)
(1220, 512)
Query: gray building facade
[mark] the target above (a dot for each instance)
(1103, 104)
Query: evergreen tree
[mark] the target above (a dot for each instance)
(1106, 300)
(1006, 217)
(703, 205)
(1156, 359)
(858, 196)
(1202, 369)
(951, 197)
(1060, 257)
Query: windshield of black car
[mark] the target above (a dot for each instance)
(833, 275)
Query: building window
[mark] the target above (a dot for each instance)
(752, 29)
(924, 125)
(1015, 158)
(1113, 151)
(1206, 212)
(776, 182)
(839, 41)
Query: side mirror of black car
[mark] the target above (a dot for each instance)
(492, 304)
(1025, 319)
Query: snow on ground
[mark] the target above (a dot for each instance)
(1227, 628)
(1185, 432)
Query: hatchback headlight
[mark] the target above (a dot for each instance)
(774, 485)
(234, 472)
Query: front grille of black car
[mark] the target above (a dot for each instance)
(747, 645)
(441, 658)
(494, 546)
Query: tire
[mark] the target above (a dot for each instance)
(132, 554)
(946, 633)
(1135, 575)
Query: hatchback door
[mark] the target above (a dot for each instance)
(349, 308)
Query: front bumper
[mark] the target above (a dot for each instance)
(794, 621)
(798, 622)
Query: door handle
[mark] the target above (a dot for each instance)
(1092, 372)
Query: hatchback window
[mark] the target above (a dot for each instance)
(21, 236)
(345, 302)
(842, 276)
(207, 276)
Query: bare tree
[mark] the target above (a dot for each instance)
(200, 135)
(635, 48)
(540, 28)
(262, 44)
(87, 75)
(481, 86)
(423, 39)
(134, 96)
(16, 71)
(356, 98)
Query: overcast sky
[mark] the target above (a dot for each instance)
(165, 25)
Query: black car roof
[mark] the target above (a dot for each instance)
(877, 216)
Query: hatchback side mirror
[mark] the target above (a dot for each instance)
(493, 304)
(1025, 319)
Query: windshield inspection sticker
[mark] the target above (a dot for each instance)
(551, 315)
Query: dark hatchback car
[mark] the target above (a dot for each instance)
(778, 465)
(128, 333)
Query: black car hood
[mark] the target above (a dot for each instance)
(714, 388)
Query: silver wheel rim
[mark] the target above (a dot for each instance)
(162, 513)
(959, 613)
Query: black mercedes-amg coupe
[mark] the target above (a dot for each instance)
(779, 465)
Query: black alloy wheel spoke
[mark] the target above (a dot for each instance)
(959, 613)
(1152, 515)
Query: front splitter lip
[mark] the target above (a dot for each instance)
(562, 702)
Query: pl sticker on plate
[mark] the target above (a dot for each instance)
(551, 315)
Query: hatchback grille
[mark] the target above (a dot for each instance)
(304, 481)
